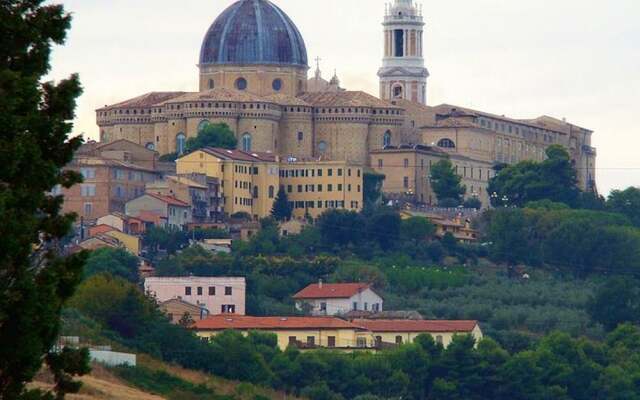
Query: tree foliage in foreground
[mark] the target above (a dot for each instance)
(213, 135)
(446, 183)
(35, 124)
(281, 210)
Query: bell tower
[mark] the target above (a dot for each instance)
(403, 74)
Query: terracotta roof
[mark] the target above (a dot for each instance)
(169, 200)
(150, 216)
(146, 100)
(331, 290)
(345, 99)
(100, 229)
(83, 160)
(239, 155)
(224, 322)
(218, 94)
(285, 100)
(404, 325)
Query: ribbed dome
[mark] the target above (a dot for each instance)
(253, 32)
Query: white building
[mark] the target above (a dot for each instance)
(403, 74)
(338, 298)
(219, 295)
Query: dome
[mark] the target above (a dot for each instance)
(253, 32)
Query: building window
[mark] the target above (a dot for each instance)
(323, 306)
(322, 147)
(203, 124)
(277, 84)
(292, 340)
(399, 42)
(228, 309)
(406, 182)
(272, 192)
(246, 142)
(386, 141)
(88, 190)
(406, 163)
(228, 291)
(212, 290)
(361, 342)
(439, 339)
(398, 339)
(181, 142)
(397, 92)
(88, 173)
(447, 144)
(88, 209)
(311, 340)
(199, 291)
(300, 136)
(355, 306)
(331, 341)
(241, 84)
(150, 146)
(187, 291)
(211, 84)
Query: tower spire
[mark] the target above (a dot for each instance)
(318, 72)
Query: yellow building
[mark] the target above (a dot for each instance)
(335, 333)
(130, 242)
(303, 332)
(313, 187)
(390, 332)
(249, 181)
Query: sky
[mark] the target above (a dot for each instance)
(573, 59)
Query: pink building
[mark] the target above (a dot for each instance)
(220, 295)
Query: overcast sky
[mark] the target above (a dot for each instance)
(574, 59)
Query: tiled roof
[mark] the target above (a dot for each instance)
(285, 100)
(345, 99)
(224, 322)
(239, 155)
(403, 325)
(218, 94)
(169, 200)
(100, 229)
(84, 160)
(331, 290)
(146, 100)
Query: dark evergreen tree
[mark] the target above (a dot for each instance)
(35, 124)
(446, 183)
(281, 210)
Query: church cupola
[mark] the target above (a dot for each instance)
(403, 74)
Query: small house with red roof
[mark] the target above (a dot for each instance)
(337, 298)
(175, 213)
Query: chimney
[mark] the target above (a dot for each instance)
(320, 283)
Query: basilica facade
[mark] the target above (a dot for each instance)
(253, 70)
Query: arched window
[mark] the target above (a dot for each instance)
(241, 84)
(322, 147)
(203, 124)
(211, 84)
(246, 142)
(181, 142)
(272, 192)
(277, 84)
(397, 92)
(150, 146)
(386, 141)
(447, 144)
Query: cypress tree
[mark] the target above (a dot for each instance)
(281, 210)
(35, 280)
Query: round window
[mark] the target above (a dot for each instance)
(241, 84)
(277, 84)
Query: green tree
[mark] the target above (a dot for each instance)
(170, 239)
(213, 135)
(616, 302)
(417, 229)
(282, 210)
(372, 189)
(117, 262)
(34, 147)
(626, 202)
(554, 179)
(446, 183)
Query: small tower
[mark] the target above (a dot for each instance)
(403, 74)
